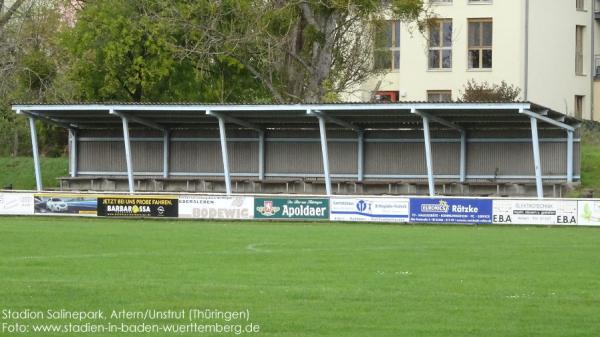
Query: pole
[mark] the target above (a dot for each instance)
(536, 158)
(36, 154)
(128, 160)
(325, 153)
(261, 156)
(463, 156)
(361, 156)
(73, 152)
(569, 156)
(225, 155)
(166, 153)
(428, 158)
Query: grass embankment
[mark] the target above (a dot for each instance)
(590, 167)
(19, 172)
(329, 280)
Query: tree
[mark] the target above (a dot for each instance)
(299, 50)
(485, 92)
(120, 51)
(30, 62)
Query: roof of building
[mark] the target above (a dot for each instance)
(385, 115)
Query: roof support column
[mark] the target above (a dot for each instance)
(536, 158)
(73, 152)
(428, 158)
(166, 152)
(36, 154)
(128, 159)
(463, 156)
(569, 156)
(361, 155)
(261, 155)
(223, 136)
(325, 153)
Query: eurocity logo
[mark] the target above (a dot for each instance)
(440, 207)
(267, 209)
(443, 207)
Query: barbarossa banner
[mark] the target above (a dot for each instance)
(138, 206)
(292, 208)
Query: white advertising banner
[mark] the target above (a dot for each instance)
(216, 207)
(370, 209)
(16, 203)
(589, 212)
(535, 212)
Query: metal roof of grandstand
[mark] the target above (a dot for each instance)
(351, 115)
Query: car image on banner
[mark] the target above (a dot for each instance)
(442, 210)
(369, 209)
(65, 204)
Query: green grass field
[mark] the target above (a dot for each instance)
(311, 279)
(19, 172)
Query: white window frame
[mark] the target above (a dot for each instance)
(441, 48)
(440, 94)
(579, 50)
(394, 49)
(481, 47)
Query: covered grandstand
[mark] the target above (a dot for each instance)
(407, 148)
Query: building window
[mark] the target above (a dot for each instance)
(387, 46)
(579, 106)
(579, 5)
(438, 2)
(440, 44)
(480, 1)
(480, 43)
(439, 96)
(386, 96)
(579, 31)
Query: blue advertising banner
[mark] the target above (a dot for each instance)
(436, 210)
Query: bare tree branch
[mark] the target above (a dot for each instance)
(11, 11)
(265, 81)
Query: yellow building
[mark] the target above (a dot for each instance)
(544, 47)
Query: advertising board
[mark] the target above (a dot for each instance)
(588, 212)
(138, 206)
(16, 203)
(535, 212)
(369, 209)
(216, 207)
(442, 210)
(65, 204)
(291, 208)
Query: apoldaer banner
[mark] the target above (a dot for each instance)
(441, 210)
(216, 207)
(291, 208)
(535, 212)
(370, 209)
